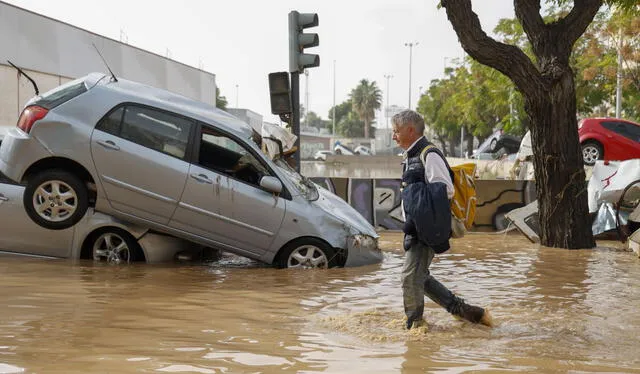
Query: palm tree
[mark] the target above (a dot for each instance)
(366, 98)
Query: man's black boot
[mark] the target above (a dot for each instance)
(475, 314)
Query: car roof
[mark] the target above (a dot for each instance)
(170, 101)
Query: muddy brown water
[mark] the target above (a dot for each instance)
(556, 311)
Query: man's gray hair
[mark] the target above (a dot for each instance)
(409, 117)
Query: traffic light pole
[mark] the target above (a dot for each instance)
(295, 116)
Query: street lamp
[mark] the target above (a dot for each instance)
(386, 112)
(410, 45)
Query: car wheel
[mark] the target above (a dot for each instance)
(591, 152)
(56, 199)
(493, 144)
(306, 253)
(338, 152)
(499, 221)
(115, 246)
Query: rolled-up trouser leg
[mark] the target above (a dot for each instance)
(414, 272)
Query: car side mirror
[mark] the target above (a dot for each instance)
(271, 184)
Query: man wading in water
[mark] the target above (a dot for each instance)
(434, 172)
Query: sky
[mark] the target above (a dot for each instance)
(242, 41)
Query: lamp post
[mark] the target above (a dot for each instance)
(410, 45)
(333, 130)
(386, 112)
(237, 90)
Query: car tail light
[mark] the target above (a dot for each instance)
(29, 116)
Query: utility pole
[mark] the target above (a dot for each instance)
(410, 45)
(333, 131)
(306, 97)
(386, 112)
(619, 78)
(237, 90)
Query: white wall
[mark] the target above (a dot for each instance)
(53, 52)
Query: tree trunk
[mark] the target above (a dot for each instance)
(366, 128)
(443, 145)
(469, 138)
(548, 89)
(559, 171)
(452, 147)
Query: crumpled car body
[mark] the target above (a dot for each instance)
(176, 166)
(20, 236)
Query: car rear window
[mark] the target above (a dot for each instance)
(61, 95)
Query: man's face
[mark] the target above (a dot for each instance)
(404, 135)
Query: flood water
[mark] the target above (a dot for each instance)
(556, 311)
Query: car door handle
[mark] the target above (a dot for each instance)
(202, 178)
(108, 144)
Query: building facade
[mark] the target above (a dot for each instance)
(53, 52)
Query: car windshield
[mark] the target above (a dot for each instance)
(305, 187)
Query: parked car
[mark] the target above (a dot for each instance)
(496, 142)
(96, 236)
(322, 155)
(177, 166)
(608, 139)
(342, 149)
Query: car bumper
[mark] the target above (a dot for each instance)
(19, 151)
(362, 250)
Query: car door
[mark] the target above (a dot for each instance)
(222, 199)
(18, 233)
(140, 155)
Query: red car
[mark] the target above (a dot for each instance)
(608, 139)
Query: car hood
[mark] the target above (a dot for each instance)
(337, 207)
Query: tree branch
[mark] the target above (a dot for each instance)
(576, 22)
(508, 59)
(528, 13)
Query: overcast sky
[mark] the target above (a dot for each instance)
(242, 41)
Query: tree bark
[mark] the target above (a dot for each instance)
(469, 138)
(550, 102)
(366, 128)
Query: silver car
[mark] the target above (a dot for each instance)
(96, 236)
(178, 166)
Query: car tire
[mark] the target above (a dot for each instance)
(338, 152)
(306, 253)
(591, 151)
(492, 145)
(498, 220)
(115, 246)
(55, 199)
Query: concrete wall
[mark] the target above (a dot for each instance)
(378, 200)
(53, 52)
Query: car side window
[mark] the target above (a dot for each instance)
(111, 123)
(156, 130)
(622, 129)
(224, 154)
(610, 126)
(632, 132)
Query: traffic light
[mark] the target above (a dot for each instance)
(298, 41)
(280, 93)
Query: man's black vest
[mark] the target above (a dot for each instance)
(414, 164)
(426, 205)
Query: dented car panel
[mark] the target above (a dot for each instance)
(19, 235)
(327, 217)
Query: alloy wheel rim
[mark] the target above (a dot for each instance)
(111, 248)
(590, 154)
(308, 256)
(55, 201)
